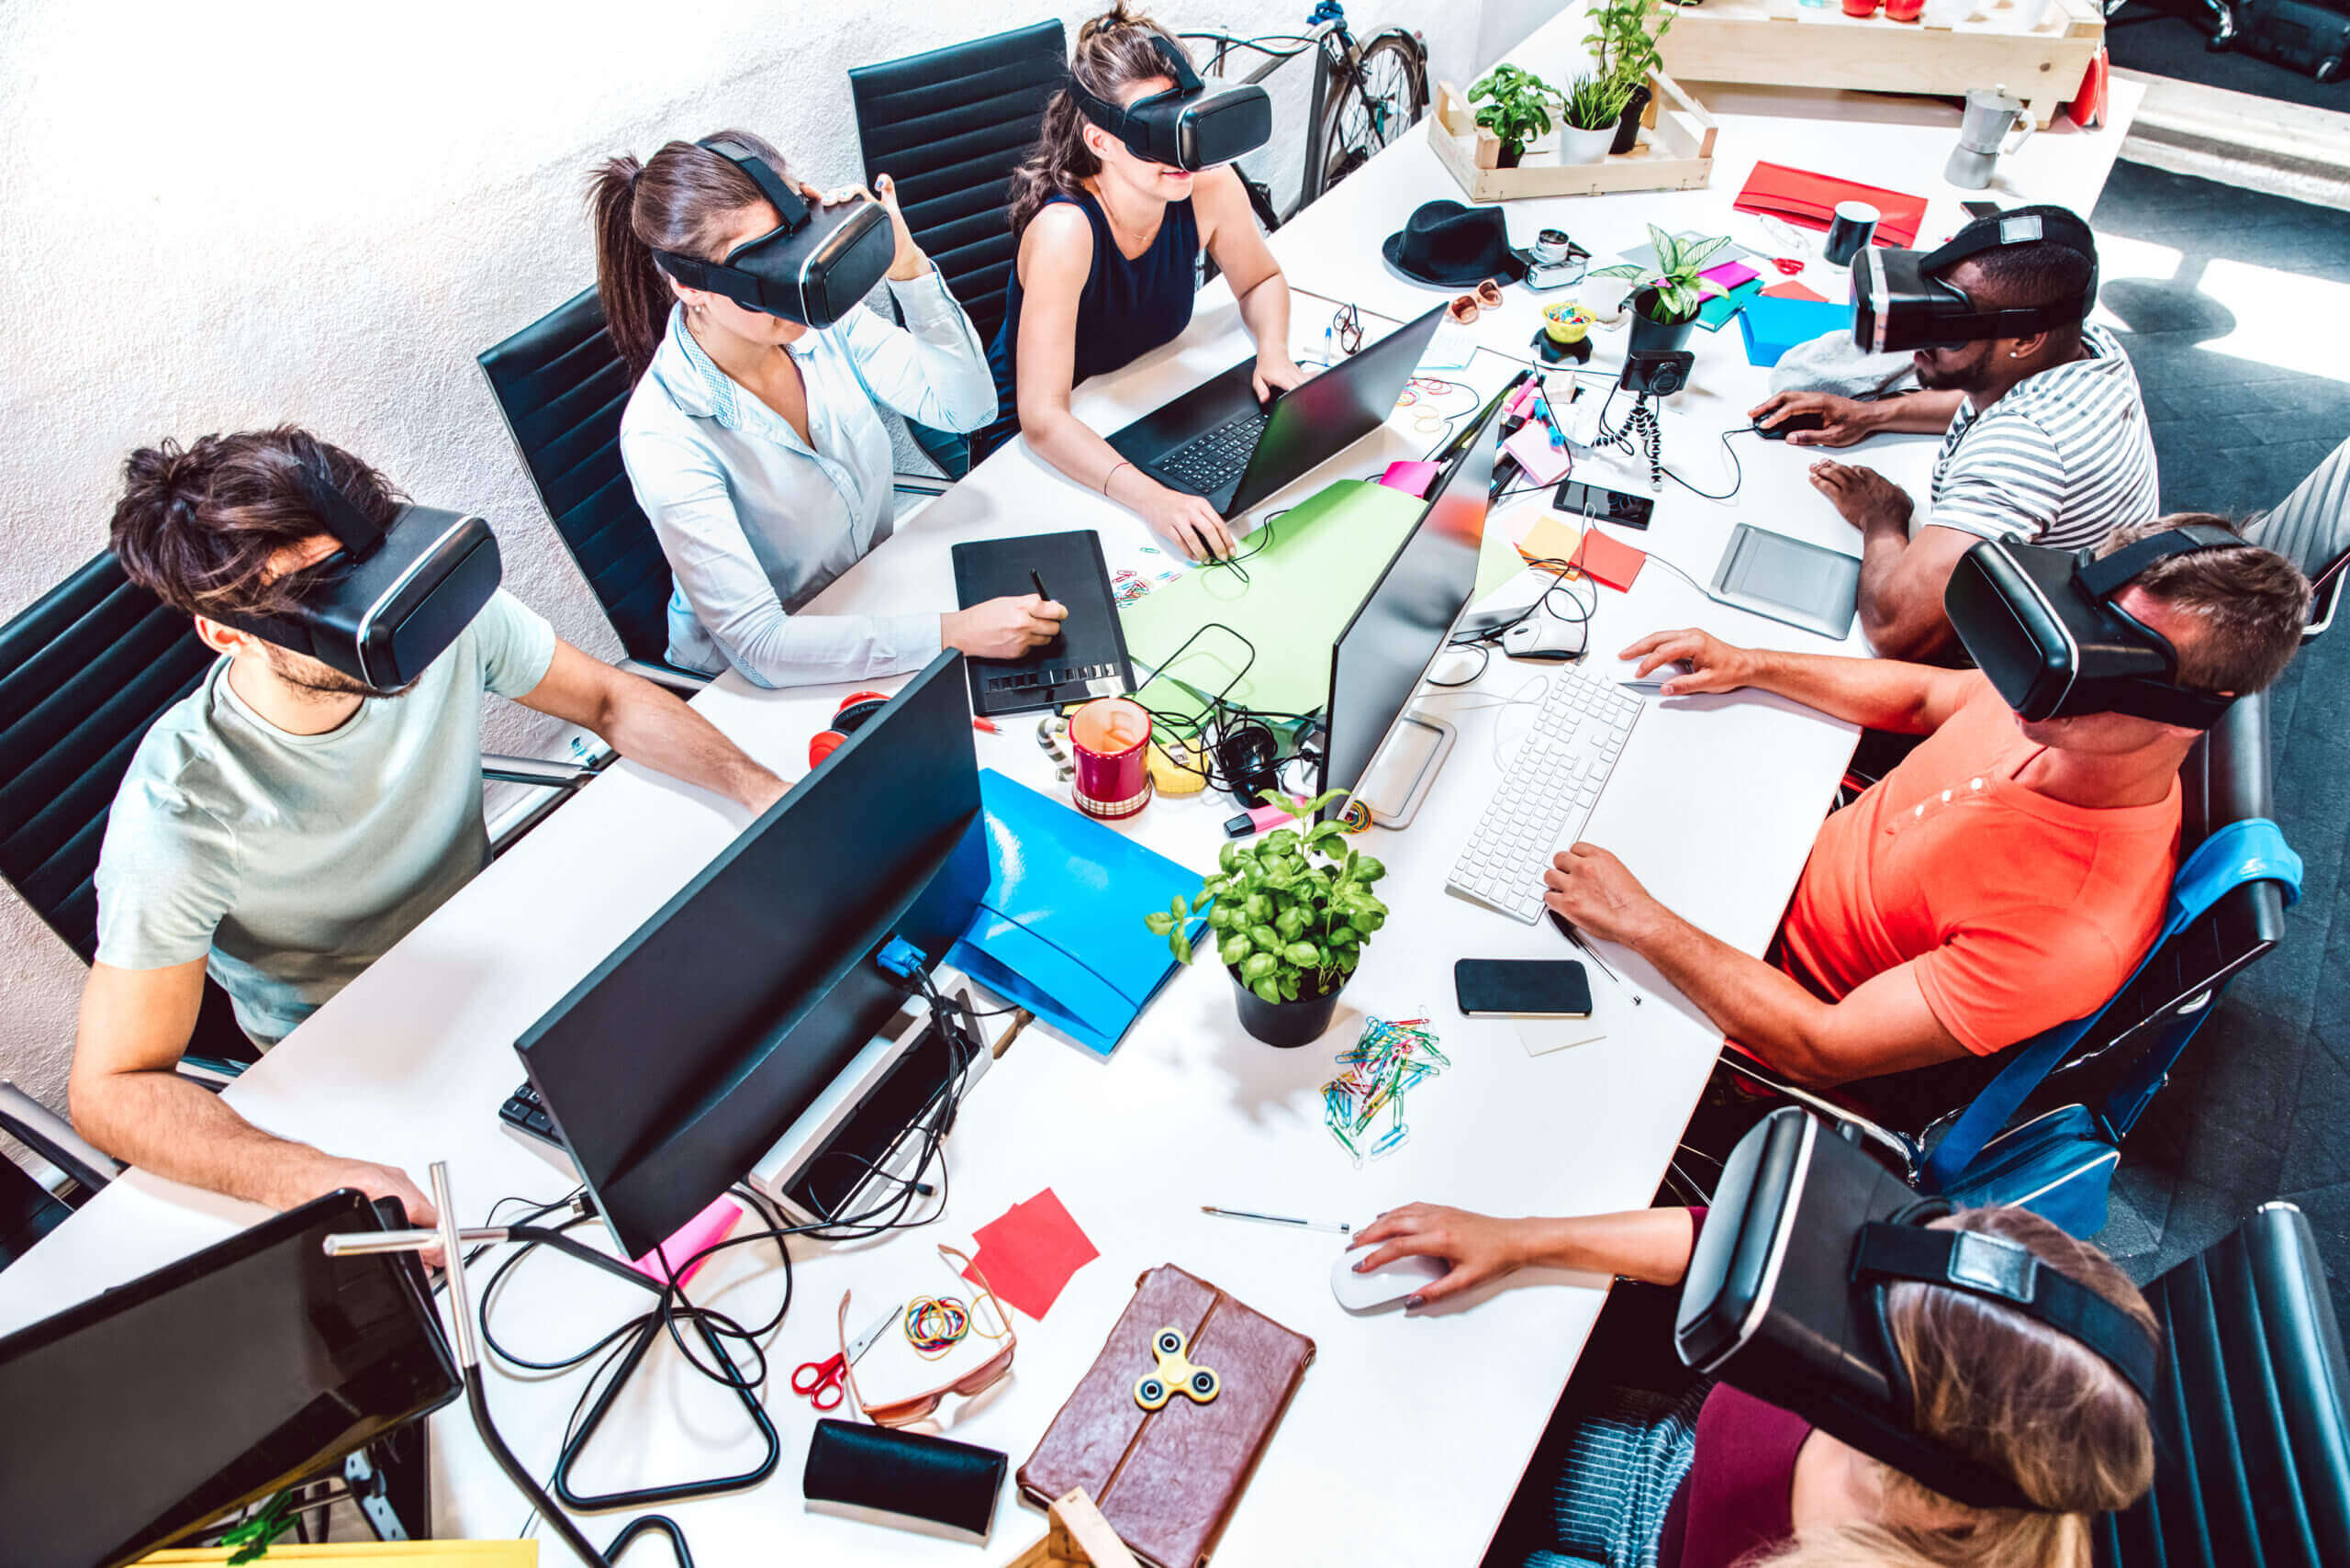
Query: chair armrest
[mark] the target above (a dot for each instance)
(677, 680)
(52, 1138)
(921, 484)
(1891, 1149)
(506, 769)
(2328, 600)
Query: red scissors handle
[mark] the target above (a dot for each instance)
(822, 1387)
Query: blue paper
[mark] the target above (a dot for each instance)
(1060, 930)
(1772, 326)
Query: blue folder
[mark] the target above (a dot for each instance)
(1060, 930)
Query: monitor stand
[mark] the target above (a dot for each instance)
(1404, 768)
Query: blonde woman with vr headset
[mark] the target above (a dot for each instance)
(1112, 212)
(752, 439)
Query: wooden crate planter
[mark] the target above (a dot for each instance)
(1783, 43)
(1675, 151)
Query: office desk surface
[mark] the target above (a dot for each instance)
(1408, 1434)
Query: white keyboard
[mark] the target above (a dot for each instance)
(1547, 795)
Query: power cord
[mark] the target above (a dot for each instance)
(1643, 426)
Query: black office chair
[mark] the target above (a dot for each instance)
(561, 385)
(85, 673)
(949, 127)
(31, 1208)
(2311, 527)
(2252, 1412)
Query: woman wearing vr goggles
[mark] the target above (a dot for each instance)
(1677, 1474)
(752, 440)
(1125, 188)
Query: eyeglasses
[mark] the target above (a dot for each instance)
(1347, 326)
(1488, 297)
(978, 1380)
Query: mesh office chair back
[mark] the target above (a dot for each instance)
(2311, 527)
(84, 674)
(561, 385)
(2250, 1412)
(949, 127)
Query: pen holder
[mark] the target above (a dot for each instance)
(1110, 738)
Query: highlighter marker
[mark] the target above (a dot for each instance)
(1255, 821)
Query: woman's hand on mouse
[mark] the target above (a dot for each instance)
(1186, 521)
(1842, 420)
(1479, 1247)
(1712, 665)
(1003, 628)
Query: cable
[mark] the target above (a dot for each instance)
(1644, 424)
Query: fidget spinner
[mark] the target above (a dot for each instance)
(1175, 1374)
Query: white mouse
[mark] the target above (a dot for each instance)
(1544, 637)
(1659, 676)
(1382, 1286)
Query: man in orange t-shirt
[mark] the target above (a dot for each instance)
(2007, 877)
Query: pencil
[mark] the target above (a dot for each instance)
(1341, 1228)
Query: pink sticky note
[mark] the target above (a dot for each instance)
(1729, 275)
(703, 1231)
(1544, 463)
(1409, 474)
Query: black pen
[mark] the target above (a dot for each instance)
(1038, 578)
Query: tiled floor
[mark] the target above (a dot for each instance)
(2260, 1107)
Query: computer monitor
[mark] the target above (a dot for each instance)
(1399, 629)
(140, 1415)
(684, 1056)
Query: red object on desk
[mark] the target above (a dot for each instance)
(1801, 197)
(1609, 561)
(1028, 1255)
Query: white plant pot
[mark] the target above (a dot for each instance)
(1604, 297)
(1584, 146)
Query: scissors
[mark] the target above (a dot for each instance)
(824, 1379)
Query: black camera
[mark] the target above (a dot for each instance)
(1657, 372)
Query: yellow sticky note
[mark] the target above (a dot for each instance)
(1552, 538)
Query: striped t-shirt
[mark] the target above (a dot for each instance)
(2063, 460)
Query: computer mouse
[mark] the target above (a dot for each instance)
(1382, 1287)
(1655, 678)
(1789, 425)
(1544, 637)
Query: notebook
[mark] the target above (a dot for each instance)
(1087, 660)
(1168, 1480)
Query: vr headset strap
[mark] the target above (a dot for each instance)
(353, 529)
(789, 204)
(1112, 118)
(2000, 1269)
(2107, 576)
(2048, 223)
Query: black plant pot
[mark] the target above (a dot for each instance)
(1511, 153)
(1628, 128)
(1647, 332)
(1285, 1023)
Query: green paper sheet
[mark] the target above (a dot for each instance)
(1302, 589)
(1715, 313)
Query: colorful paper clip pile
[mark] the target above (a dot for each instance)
(1385, 1063)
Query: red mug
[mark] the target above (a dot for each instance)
(1859, 7)
(1110, 739)
(1903, 10)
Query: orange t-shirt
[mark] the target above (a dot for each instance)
(2015, 911)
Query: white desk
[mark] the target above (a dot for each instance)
(410, 1063)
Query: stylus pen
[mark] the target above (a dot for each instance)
(1584, 947)
(1038, 578)
(1280, 1219)
(361, 1243)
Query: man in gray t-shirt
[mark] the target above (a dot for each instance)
(284, 825)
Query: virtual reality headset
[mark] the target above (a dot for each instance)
(1189, 128)
(1786, 1291)
(392, 600)
(1900, 301)
(812, 267)
(2043, 626)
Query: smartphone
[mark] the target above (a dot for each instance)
(1521, 988)
(1981, 208)
(1576, 498)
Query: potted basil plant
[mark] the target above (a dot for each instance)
(1288, 914)
(1517, 112)
(1668, 290)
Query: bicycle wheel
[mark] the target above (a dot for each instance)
(1374, 99)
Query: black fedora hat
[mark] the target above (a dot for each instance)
(1448, 245)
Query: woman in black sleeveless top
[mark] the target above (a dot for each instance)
(1109, 249)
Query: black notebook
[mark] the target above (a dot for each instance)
(1087, 660)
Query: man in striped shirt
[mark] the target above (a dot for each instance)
(2045, 441)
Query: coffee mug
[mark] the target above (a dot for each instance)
(1110, 738)
(1852, 227)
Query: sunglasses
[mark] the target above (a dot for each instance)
(978, 1380)
(1488, 297)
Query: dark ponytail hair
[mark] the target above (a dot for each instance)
(1113, 53)
(682, 199)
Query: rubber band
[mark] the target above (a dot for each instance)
(934, 1324)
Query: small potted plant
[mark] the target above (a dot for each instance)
(1668, 291)
(1288, 914)
(1517, 112)
(1623, 40)
(1587, 115)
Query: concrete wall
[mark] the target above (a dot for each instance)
(220, 215)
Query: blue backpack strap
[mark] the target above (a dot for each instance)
(2251, 850)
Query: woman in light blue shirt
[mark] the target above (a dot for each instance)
(753, 443)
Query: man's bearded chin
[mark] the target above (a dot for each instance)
(307, 673)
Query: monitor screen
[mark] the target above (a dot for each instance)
(1378, 660)
(139, 1415)
(675, 1066)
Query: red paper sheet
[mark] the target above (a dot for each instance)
(1028, 1255)
(1794, 291)
(1609, 561)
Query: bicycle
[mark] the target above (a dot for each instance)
(1366, 94)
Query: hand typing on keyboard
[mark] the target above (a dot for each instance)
(1599, 897)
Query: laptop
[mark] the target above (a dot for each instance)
(1218, 442)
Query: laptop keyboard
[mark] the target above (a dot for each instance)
(1208, 463)
(525, 1112)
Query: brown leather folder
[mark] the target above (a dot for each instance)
(1166, 1479)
